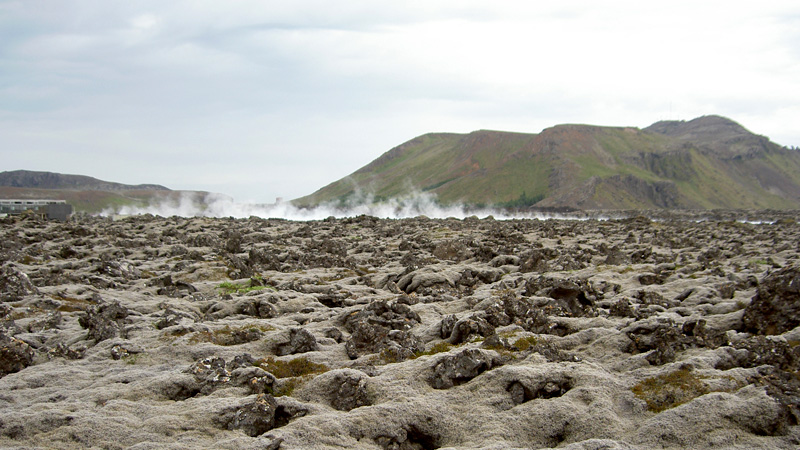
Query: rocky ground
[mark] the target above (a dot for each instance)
(679, 331)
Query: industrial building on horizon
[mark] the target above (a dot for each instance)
(48, 209)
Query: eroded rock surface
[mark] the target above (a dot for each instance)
(642, 330)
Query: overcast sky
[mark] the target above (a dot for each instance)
(260, 99)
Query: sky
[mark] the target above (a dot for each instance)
(265, 99)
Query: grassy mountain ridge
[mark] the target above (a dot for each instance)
(708, 162)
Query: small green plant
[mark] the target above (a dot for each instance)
(670, 390)
(525, 343)
(440, 347)
(297, 367)
(286, 388)
(228, 287)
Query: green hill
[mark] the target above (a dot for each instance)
(708, 162)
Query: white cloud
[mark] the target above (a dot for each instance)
(171, 90)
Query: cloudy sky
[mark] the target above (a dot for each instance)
(260, 99)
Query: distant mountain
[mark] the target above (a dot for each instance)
(709, 162)
(50, 180)
(86, 194)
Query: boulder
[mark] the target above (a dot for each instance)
(14, 284)
(396, 345)
(469, 327)
(300, 341)
(103, 321)
(775, 309)
(255, 417)
(395, 315)
(452, 370)
(15, 354)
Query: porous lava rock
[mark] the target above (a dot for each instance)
(103, 321)
(15, 354)
(14, 284)
(452, 370)
(775, 309)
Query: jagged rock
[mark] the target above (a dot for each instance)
(400, 345)
(210, 371)
(550, 388)
(447, 325)
(368, 338)
(52, 319)
(661, 338)
(365, 338)
(300, 341)
(648, 298)
(783, 386)
(350, 391)
(172, 317)
(452, 370)
(572, 297)
(258, 380)
(426, 281)
(210, 374)
(259, 307)
(15, 354)
(335, 334)
(621, 308)
(395, 315)
(103, 321)
(122, 270)
(170, 288)
(14, 284)
(702, 335)
(410, 437)
(469, 327)
(119, 351)
(342, 389)
(62, 350)
(452, 250)
(509, 309)
(761, 350)
(255, 417)
(775, 309)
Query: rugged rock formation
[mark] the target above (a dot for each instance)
(677, 330)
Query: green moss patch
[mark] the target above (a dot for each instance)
(673, 389)
(297, 367)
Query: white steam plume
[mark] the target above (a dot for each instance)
(217, 205)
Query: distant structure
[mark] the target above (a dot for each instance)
(49, 209)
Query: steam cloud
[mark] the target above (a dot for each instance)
(217, 205)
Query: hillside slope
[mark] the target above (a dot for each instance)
(86, 194)
(50, 180)
(708, 162)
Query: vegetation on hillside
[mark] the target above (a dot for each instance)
(709, 162)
